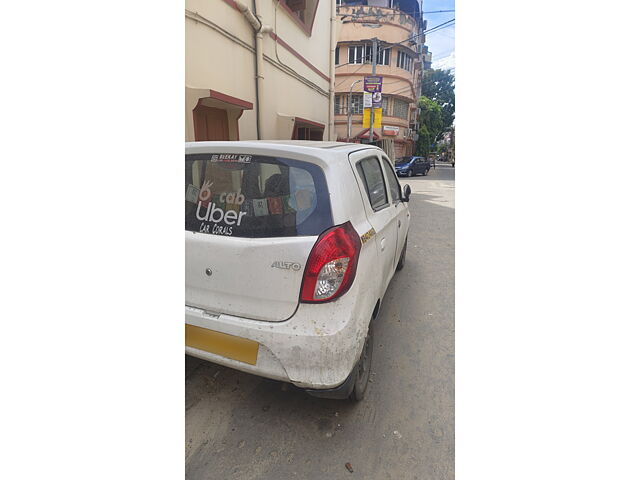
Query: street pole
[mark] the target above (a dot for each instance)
(374, 60)
(350, 111)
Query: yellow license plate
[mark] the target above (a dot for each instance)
(223, 344)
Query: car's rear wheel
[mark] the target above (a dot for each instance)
(363, 367)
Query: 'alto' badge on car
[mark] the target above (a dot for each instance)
(286, 265)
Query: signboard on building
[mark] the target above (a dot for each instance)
(388, 130)
(367, 99)
(373, 83)
(377, 99)
(372, 98)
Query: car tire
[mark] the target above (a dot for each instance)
(363, 367)
(410, 173)
(400, 265)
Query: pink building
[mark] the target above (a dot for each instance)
(402, 56)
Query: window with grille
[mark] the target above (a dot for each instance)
(385, 105)
(356, 103)
(339, 107)
(359, 54)
(356, 54)
(400, 108)
(383, 56)
(403, 60)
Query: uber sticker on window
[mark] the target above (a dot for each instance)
(204, 197)
(192, 193)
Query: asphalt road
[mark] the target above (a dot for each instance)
(239, 426)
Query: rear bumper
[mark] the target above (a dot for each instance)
(340, 392)
(315, 349)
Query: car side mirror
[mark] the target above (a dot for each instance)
(406, 192)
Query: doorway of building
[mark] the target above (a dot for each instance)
(210, 123)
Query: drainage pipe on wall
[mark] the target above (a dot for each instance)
(259, 30)
(332, 71)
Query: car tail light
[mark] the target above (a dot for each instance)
(332, 265)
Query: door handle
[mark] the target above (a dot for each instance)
(399, 223)
(382, 244)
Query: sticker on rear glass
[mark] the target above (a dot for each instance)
(288, 203)
(275, 205)
(231, 158)
(303, 200)
(260, 207)
(204, 197)
(235, 198)
(247, 207)
(192, 193)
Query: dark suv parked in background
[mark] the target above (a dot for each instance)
(411, 166)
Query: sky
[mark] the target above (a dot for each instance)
(441, 42)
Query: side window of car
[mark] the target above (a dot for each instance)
(394, 185)
(371, 175)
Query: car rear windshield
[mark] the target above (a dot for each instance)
(255, 196)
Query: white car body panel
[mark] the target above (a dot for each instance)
(243, 281)
(309, 345)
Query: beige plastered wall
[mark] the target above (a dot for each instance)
(216, 62)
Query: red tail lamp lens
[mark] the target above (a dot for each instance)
(332, 265)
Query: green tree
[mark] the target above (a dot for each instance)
(439, 85)
(431, 124)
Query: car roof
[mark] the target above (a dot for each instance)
(300, 145)
(323, 153)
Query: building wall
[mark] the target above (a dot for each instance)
(398, 84)
(219, 59)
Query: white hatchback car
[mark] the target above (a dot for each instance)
(290, 247)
